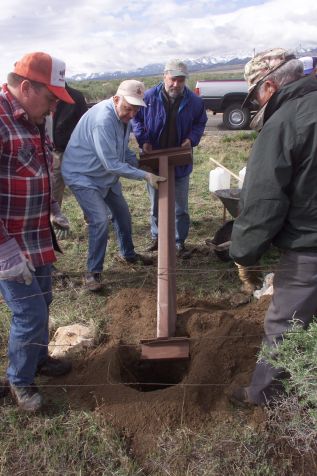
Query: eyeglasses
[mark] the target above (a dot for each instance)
(50, 97)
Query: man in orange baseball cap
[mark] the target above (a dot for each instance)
(47, 70)
(38, 82)
(27, 209)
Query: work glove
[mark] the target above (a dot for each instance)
(61, 226)
(251, 278)
(154, 180)
(21, 272)
(26, 273)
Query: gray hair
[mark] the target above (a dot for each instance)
(289, 72)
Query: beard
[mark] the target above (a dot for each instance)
(174, 93)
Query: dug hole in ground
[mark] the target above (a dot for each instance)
(141, 398)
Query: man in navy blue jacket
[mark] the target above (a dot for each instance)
(174, 117)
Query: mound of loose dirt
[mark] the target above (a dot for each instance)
(140, 397)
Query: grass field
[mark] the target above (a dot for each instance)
(96, 90)
(63, 440)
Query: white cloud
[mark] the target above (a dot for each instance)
(108, 35)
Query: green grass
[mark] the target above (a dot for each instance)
(96, 90)
(235, 449)
(241, 136)
(69, 442)
(206, 212)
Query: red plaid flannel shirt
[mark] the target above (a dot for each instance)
(25, 173)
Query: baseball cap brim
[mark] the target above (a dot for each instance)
(135, 101)
(60, 93)
(176, 72)
(248, 100)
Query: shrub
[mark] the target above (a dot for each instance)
(294, 417)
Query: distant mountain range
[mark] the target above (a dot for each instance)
(204, 63)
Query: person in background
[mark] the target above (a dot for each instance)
(27, 240)
(309, 64)
(279, 205)
(65, 119)
(96, 156)
(174, 117)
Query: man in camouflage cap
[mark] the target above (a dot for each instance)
(279, 204)
(255, 73)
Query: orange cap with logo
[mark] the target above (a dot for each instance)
(47, 70)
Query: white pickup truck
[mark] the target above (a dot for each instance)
(227, 96)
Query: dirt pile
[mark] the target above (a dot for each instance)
(140, 397)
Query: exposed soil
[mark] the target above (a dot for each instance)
(139, 397)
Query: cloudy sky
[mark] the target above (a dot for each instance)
(109, 35)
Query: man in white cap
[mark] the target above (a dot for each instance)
(279, 205)
(27, 241)
(95, 158)
(174, 117)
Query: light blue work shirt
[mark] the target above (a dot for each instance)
(97, 154)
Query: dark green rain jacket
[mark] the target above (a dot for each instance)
(279, 196)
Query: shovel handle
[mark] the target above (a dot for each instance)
(225, 168)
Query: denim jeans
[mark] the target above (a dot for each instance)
(181, 209)
(29, 336)
(96, 209)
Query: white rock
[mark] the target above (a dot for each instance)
(267, 288)
(71, 339)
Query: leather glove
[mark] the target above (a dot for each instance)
(14, 266)
(21, 273)
(26, 274)
(250, 277)
(154, 180)
(61, 226)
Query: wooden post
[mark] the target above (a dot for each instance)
(166, 281)
(166, 346)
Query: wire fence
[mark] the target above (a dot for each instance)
(160, 273)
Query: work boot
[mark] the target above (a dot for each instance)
(4, 388)
(239, 397)
(93, 282)
(27, 397)
(137, 259)
(53, 367)
(180, 249)
(153, 246)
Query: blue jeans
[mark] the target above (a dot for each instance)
(96, 209)
(29, 336)
(181, 209)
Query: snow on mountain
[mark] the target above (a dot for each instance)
(197, 64)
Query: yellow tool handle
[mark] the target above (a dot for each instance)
(225, 168)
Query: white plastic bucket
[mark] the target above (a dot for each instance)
(218, 179)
